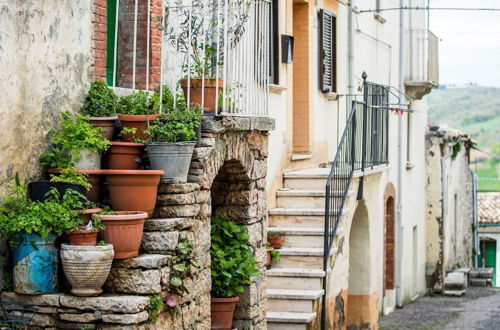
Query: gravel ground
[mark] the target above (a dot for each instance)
(478, 309)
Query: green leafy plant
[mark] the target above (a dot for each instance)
(101, 101)
(154, 307)
(275, 233)
(18, 215)
(101, 243)
(175, 126)
(456, 149)
(275, 255)
(138, 103)
(74, 136)
(71, 176)
(7, 283)
(233, 264)
(168, 100)
(182, 263)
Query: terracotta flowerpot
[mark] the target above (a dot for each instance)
(222, 310)
(86, 215)
(276, 241)
(133, 190)
(86, 267)
(83, 236)
(94, 178)
(139, 122)
(124, 231)
(125, 155)
(211, 89)
(106, 123)
(268, 258)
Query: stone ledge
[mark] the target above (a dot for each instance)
(221, 124)
(168, 224)
(159, 242)
(124, 280)
(147, 261)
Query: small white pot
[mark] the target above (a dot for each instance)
(89, 160)
(86, 267)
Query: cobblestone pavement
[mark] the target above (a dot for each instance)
(478, 309)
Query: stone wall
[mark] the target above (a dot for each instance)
(449, 204)
(227, 179)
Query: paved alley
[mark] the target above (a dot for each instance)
(478, 309)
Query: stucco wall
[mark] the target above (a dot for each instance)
(45, 60)
(449, 205)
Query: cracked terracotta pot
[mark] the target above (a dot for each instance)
(125, 155)
(124, 230)
(139, 122)
(133, 190)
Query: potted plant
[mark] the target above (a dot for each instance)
(87, 267)
(125, 155)
(32, 227)
(233, 266)
(100, 107)
(133, 189)
(123, 229)
(70, 179)
(77, 144)
(136, 111)
(269, 251)
(275, 238)
(37, 190)
(170, 143)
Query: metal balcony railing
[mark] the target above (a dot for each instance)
(422, 62)
(364, 144)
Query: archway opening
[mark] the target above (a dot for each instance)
(362, 302)
(389, 244)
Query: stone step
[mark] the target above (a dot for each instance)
(288, 320)
(483, 282)
(313, 178)
(292, 300)
(481, 273)
(302, 236)
(304, 198)
(301, 257)
(454, 293)
(302, 211)
(455, 281)
(304, 278)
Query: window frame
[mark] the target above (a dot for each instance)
(332, 86)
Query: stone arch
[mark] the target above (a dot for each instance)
(362, 308)
(389, 237)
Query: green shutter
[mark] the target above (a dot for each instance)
(110, 47)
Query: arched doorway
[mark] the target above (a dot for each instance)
(362, 308)
(389, 244)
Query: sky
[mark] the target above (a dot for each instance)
(469, 49)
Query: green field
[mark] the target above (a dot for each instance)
(486, 171)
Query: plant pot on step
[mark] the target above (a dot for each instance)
(90, 160)
(35, 263)
(63, 186)
(139, 122)
(86, 215)
(83, 236)
(125, 155)
(222, 310)
(268, 257)
(86, 267)
(94, 177)
(276, 240)
(124, 231)
(211, 89)
(38, 189)
(173, 158)
(133, 190)
(106, 123)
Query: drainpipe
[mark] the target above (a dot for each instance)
(350, 55)
(475, 235)
(399, 199)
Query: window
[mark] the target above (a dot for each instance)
(327, 52)
(274, 48)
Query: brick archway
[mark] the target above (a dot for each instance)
(389, 237)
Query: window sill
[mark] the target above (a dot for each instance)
(301, 156)
(332, 96)
(379, 18)
(276, 89)
(122, 91)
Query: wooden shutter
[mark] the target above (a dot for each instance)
(327, 52)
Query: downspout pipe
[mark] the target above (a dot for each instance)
(350, 54)
(399, 199)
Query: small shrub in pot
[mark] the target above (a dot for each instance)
(135, 111)
(100, 106)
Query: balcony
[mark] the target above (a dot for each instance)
(422, 63)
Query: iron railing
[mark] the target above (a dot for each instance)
(363, 145)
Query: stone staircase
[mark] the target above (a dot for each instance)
(294, 284)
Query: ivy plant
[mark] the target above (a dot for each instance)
(233, 264)
(74, 136)
(101, 101)
(138, 103)
(18, 215)
(182, 265)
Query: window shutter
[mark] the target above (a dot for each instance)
(327, 51)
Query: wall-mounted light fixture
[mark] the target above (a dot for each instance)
(286, 48)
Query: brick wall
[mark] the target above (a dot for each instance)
(99, 40)
(126, 43)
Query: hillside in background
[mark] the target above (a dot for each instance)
(475, 110)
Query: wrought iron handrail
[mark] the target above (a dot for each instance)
(364, 144)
